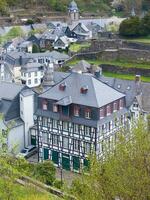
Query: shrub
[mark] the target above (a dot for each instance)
(45, 172)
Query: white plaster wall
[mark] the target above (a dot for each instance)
(26, 114)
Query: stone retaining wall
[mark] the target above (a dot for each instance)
(124, 70)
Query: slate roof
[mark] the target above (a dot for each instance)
(8, 90)
(9, 100)
(73, 6)
(82, 65)
(13, 57)
(32, 66)
(98, 94)
(127, 87)
(144, 98)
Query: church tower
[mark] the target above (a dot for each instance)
(73, 12)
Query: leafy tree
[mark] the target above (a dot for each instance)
(145, 25)
(35, 49)
(3, 6)
(14, 32)
(130, 27)
(124, 173)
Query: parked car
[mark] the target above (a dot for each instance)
(27, 152)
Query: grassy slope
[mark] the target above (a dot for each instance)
(119, 63)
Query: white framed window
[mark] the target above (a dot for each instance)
(87, 147)
(65, 142)
(101, 113)
(114, 106)
(76, 111)
(55, 107)
(35, 73)
(87, 131)
(29, 74)
(44, 104)
(35, 80)
(44, 121)
(55, 140)
(29, 82)
(45, 137)
(121, 103)
(87, 113)
(65, 126)
(76, 145)
(108, 108)
(76, 128)
(54, 123)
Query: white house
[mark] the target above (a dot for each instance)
(32, 73)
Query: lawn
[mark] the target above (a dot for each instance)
(145, 40)
(118, 63)
(125, 76)
(77, 47)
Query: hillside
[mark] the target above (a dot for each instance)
(92, 6)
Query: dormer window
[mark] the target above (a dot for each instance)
(121, 103)
(62, 86)
(115, 106)
(44, 104)
(88, 113)
(76, 111)
(101, 113)
(108, 110)
(55, 108)
(84, 89)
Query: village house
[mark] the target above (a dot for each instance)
(76, 115)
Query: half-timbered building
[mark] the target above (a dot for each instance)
(76, 116)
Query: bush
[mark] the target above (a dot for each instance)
(29, 22)
(45, 172)
(58, 184)
(130, 27)
(35, 49)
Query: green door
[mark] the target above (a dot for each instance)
(46, 154)
(55, 157)
(33, 140)
(76, 163)
(65, 161)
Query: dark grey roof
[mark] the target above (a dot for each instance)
(27, 92)
(98, 94)
(8, 90)
(73, 6)
(32, 66)
(127, 87)
(18, 58)
(82, 65)
(144, 98)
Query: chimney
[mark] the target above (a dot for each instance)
(49, 75)
(137, 78)
(62, 86)
(84, 89)
(20, 60)
(98, 73)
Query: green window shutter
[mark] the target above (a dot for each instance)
(76, 163)
(65, 162)
(46, 154)
(55, 157)
(33, 140)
